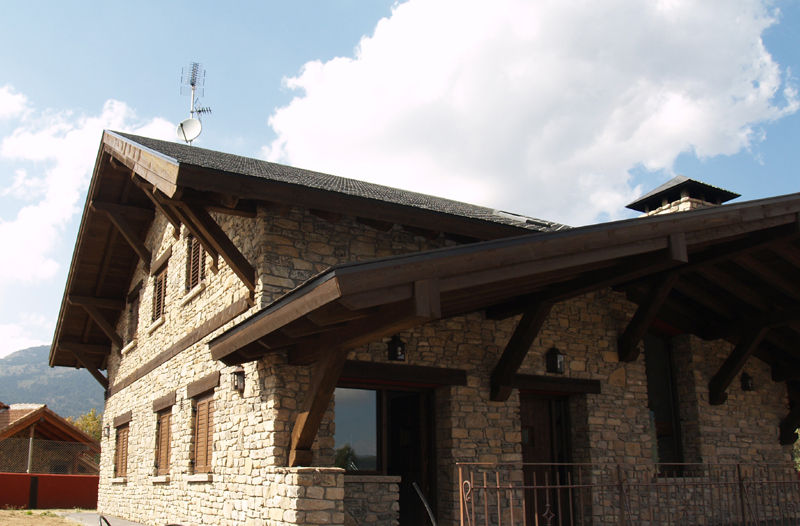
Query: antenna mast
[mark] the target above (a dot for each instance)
(193, 79)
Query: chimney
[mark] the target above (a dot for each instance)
(680, 194)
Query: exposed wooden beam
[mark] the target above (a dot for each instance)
(103, 303)
(84, 348)
(219, 240)
(157, 198)
(128, 211)
(197, 232)
(324, 377)
(628, 343)
(381, 226)
(104, 325)
(517, 348)
(126, 230)
(733, 364)
(100, 377)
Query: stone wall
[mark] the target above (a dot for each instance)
(370, 499)
(252, 430)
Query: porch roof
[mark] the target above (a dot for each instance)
(730, 269)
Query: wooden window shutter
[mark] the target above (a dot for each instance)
(163, 441)
(121, 452)
(159, 294)
(203, 432)
(195, 263)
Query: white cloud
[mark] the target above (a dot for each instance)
(29, 332)
(536, 107)
(57, 150)
(11, 104)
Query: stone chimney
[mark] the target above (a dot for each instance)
(680, 194)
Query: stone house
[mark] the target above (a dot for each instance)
(289, 347)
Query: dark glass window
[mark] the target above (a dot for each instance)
(356, 438)
(662, 399)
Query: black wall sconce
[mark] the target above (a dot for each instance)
(555, 361)
(747, 382)
(397, 349)
(237, 379)
(106, 431)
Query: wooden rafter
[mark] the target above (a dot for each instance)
(517, 348)
(733, 364)
(84, 348)
(157, 198)
(628, 343)
(115, 215)
(100, 377)
(103, 303)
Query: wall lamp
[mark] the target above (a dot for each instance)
(397, 349)
(555, 361)
(237, 379)
(747, 382)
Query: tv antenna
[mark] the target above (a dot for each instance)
(193, 79)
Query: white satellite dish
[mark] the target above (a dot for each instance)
(189, 129)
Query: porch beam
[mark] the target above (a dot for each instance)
(222, 244)
(118, 220)
(628, 343)
(517, 348)
(749, 342)
(103, 323)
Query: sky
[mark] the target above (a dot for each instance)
(561, 110)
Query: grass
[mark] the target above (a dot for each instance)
(33, 517)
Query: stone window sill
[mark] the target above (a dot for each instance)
(200, 477)
(119, 480)
(160, 479)
(155, 325)
(192, 294)
(131, 345)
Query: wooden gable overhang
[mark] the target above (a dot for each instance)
(730, 272)
(132, 181)
(49, 426)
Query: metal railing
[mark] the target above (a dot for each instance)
(661, 494)
(21, 455)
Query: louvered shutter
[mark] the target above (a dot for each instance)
(159, 294)
(203, 433)
(121, 452)
(163, 442)
(195, 272)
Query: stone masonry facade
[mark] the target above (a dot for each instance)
(249, 482)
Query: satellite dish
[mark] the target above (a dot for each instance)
(189, 129)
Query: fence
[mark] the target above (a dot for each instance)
(47, 456)
(587, 494)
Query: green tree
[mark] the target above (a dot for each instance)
(90, 423)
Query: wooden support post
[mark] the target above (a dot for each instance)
(516, 350)
(119, 221)
(628, 343)
(748, 343)
(104, 325)
(325, 375)
(210, 231)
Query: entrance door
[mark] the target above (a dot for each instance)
(545, 440)
(408, 451)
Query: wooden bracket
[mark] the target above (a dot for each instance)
(325, 375)
(102, 322)
(100, 377)
(114, 212)
(628, 343)
(103, 303)
(215, 241)
(517, 348)
(747, 344)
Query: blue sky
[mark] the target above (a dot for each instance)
(559, 110)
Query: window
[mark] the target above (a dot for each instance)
(121, 451)
(159, 293)
(132, 315)
(163, 440)
(356, 438)
(202, 432)
(195, 263)
(662, 400)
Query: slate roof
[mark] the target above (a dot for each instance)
(226, 162)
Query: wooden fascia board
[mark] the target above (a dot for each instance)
(273, 318)
(18, 425)
(156, 168)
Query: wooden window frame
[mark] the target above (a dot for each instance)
(202, 433)
(159, 294)
(195, 263)
(121, 450)
(163, 448)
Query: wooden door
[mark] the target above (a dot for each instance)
(545, 440)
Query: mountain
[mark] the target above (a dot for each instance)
(25, 377)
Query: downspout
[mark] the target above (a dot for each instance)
(30, 448)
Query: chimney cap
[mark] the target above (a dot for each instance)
(673, 189)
